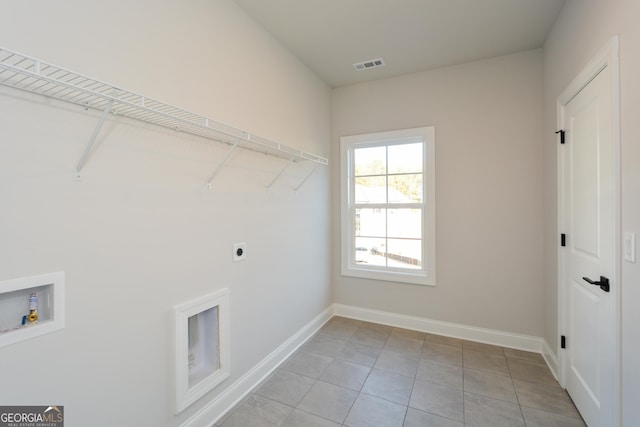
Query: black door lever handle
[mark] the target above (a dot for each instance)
(603, 283)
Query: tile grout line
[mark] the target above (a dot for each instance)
(370, 371)
(514, 388)
(464, 416)
(357, 395)
(413, 385)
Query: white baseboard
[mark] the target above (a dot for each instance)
(471, 333)
(212, 412)
(552, 359)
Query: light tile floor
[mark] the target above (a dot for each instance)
(358, 374)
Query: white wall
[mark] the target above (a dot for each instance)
(140, 234)
(582, 29)
(488, 120)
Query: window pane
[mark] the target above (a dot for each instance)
(370, 161)
(405, 253)
(405, 158)
(405, 188)
(361, 255)
(405, 223)
(377, 255)
(371, 189)
(372, 222)
(368, 251)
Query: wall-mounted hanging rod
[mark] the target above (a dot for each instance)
(32, 75)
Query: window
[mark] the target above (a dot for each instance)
(388, 206)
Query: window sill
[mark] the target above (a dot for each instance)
(414, 278)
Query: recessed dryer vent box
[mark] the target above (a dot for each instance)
(202, 347)
(30, 307)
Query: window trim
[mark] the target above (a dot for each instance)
(349, 268)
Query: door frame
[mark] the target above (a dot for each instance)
(607, 57)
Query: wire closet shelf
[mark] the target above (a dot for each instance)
(33, 75)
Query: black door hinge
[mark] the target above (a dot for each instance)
(563, 341)
(561, 132)
(563, 239)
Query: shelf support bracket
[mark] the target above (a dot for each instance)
(213, 175)
(306, 178)
(94, 136)
(280, 174)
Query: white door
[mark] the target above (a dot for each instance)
(588, 209)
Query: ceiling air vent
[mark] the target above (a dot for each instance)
(367, 65)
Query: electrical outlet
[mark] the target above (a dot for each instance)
(240, 251)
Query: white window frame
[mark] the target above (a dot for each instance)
(427, 274)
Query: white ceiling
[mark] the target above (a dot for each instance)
(411, 35)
